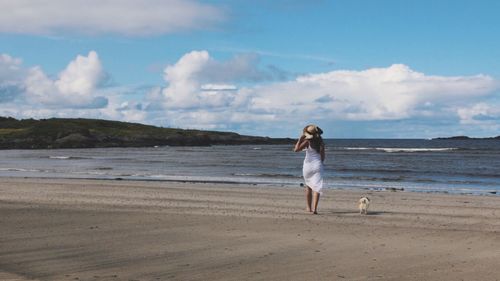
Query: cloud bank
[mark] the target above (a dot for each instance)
(394, 92)
(93, 17)
(239, 94)
(397, 92)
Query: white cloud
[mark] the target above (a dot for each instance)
(75, 87)
(81, 75)
(128, 17)
(184, 81)
(197, 81)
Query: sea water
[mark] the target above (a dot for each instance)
(454, 166)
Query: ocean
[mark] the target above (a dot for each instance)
(447, 166)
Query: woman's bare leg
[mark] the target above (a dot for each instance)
(309, 198)
(316, 201)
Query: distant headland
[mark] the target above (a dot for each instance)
(89, 133)
(466, 138)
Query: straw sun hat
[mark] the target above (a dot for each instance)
(311, 131)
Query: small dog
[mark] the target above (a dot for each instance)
(363, 205)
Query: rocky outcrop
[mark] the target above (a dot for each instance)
(466, 138)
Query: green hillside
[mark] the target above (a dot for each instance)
(86, 133)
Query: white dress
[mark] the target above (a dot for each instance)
(313, 169)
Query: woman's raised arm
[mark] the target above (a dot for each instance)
(301, 144)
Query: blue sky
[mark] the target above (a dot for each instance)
(368, 69)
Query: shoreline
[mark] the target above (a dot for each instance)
(60, 229)
(266, 184)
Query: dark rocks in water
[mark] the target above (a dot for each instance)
(466, 138)
(89, 133)
(453, 138)
(394, 189)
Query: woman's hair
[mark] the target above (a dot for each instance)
(316, 142)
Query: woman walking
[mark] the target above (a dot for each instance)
(312, 143)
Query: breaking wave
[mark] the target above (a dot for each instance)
(399, 149)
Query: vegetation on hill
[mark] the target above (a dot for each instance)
(86, 133)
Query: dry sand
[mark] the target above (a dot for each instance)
(53, 229)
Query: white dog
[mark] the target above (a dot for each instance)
(363, 205)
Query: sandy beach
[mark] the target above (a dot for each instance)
(56, 229)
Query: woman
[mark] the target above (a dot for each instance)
(312, 143)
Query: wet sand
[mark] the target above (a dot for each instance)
(55, 229)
